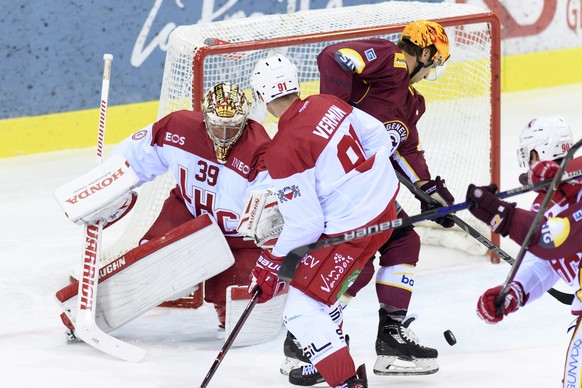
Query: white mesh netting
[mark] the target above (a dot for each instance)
(455, 131)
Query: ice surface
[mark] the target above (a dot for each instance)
(38, 248)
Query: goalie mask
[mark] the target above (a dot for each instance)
(550, 137)
(274, 77)
(431, 35)
(225, 108)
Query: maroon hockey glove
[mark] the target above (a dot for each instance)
(438, 190)
(264, 277)
(514, 299)
(547, 169)
(488, 208)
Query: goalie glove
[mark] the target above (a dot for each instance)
(437, 189)
(261, 220)
(112, 212)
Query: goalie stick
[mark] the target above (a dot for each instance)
(230, 340)
(86, 329)
(292, 259)
(554, 183)
(562, 297)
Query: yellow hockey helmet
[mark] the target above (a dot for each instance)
(424, 33)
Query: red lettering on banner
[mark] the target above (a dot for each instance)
(512, 29)
(574, 14)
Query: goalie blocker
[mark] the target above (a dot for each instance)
(164, 268)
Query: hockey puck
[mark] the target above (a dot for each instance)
(450, 337)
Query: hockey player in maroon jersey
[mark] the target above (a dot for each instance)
(555, 250)
(377, 76)
(324, 153)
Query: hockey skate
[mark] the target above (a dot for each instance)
(399, 352)
(308, 375)
(294, 357)
(304, 373)
(297, 365)
(305, 376)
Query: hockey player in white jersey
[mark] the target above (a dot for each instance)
(331, 171)
(216, 158)
(555, 250)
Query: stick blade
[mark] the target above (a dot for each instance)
(95, 337)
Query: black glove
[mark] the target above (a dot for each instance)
(437, 189)
(488, 208)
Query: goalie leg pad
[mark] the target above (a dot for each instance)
(245, 257)
(263, 324)
(161, 269)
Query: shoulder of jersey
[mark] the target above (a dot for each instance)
(253, 143)
(185, 130)
(256, 131)
(382, 49)
(187, 123)
(575, 164)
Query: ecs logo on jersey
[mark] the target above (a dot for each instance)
(288, 193)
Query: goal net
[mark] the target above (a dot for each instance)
(459, 131)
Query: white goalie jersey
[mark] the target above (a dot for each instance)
(179, 142)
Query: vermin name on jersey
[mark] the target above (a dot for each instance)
(329, 122)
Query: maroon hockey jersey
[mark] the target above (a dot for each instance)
(372, 75)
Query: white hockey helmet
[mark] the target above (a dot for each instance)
(225, 108)
(274, 77)
(550, 136)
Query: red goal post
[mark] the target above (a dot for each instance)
(459, 131)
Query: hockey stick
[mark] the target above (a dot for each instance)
(562, 297)
(292, 259)
(458, 221)
(555, 182)
(229, 341)
(85, 327)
